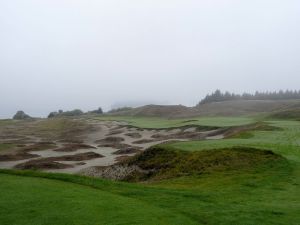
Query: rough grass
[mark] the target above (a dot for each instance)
(293, 114)
(6, 146)
(245, 131)
(67, 129)
(159, 123)
(60, 128)
(163, 162)
(7, 122)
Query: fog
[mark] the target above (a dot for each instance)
(66, 54)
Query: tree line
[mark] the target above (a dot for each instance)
(219, 96)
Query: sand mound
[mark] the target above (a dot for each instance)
(40, 164)
(17, 156)
(134, 135)
(51, 162)
(23, 152)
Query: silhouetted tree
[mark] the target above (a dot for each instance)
(20, 115)
(218, 96)
(98, 111)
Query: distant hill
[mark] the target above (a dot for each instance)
(245, 107)
(156, 111)
(224, 108)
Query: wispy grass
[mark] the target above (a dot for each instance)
(5, 146)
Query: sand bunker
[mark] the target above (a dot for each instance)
(72, 147)
(134, 135)
(23, 152)
(17, 156)
(104, 144)
(42, 165)
(52, 162)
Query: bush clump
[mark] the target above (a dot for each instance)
(60, 113)
(161, 163)
(20, 115)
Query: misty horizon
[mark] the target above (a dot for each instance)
(76, 54)
(135, 104)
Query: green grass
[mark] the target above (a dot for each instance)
(285, 141)
(43, 201)
(163, 162)
(264, 195)
(159, 123)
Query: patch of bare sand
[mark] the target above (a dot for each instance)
(114, 141)
(134, 135)
(215, 137)
(25, 152)
(73, 147)
(52, 162)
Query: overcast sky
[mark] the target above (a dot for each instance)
(65, 54)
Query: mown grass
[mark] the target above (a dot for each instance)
(265, 195)
(31, 200)
(159, 123)
(284, 141)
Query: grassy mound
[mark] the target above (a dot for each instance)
(293, 114)
(246, 131)
(159, 163)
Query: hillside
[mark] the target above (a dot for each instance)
(245, 107)
(225, 108)
(169, 111)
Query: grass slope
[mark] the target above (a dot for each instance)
(42, 201)
(262, 196)
(266, 195)
(292, 114)
(163, 163)
(284, 141)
